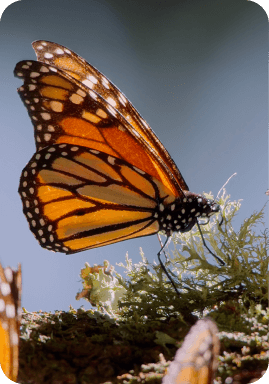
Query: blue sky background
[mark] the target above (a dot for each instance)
(196, 71)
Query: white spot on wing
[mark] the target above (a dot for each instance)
(111, 160)
(59, 51)
(47, 136)
(111, 101)
(81, 92)
(112, 110)
(92, 79)
(88, 83)
(122, 99)
(105, 82)
(48, 55)
(44, 69)
(45, 116)
(76, 99)
(93, 95)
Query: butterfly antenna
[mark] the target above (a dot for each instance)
(234, 174)
(162, 265)
(205, 245)
(224, 185)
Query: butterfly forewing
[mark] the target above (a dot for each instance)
(63, 110)
(196, 361)
(71, 63)
(10, 303)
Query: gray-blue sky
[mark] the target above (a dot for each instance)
(196, 71)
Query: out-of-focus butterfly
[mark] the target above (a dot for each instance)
(10, 313)
(196, 361)
(99, 175)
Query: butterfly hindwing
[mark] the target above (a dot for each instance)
(77, 198)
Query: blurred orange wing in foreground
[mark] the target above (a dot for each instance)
(10, 309)
(196, 361)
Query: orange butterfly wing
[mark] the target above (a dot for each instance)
(77, 198)
(10, 302)
(71, 63)
(196, 361)
(64, 110)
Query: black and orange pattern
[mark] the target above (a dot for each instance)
(197, 360)
(99, 175)
(10, 315)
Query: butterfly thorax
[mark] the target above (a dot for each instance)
(182, 214)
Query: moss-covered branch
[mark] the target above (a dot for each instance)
(140, 321)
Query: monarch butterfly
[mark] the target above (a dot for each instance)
(99, 175)
(10, 306)
(196, 361)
